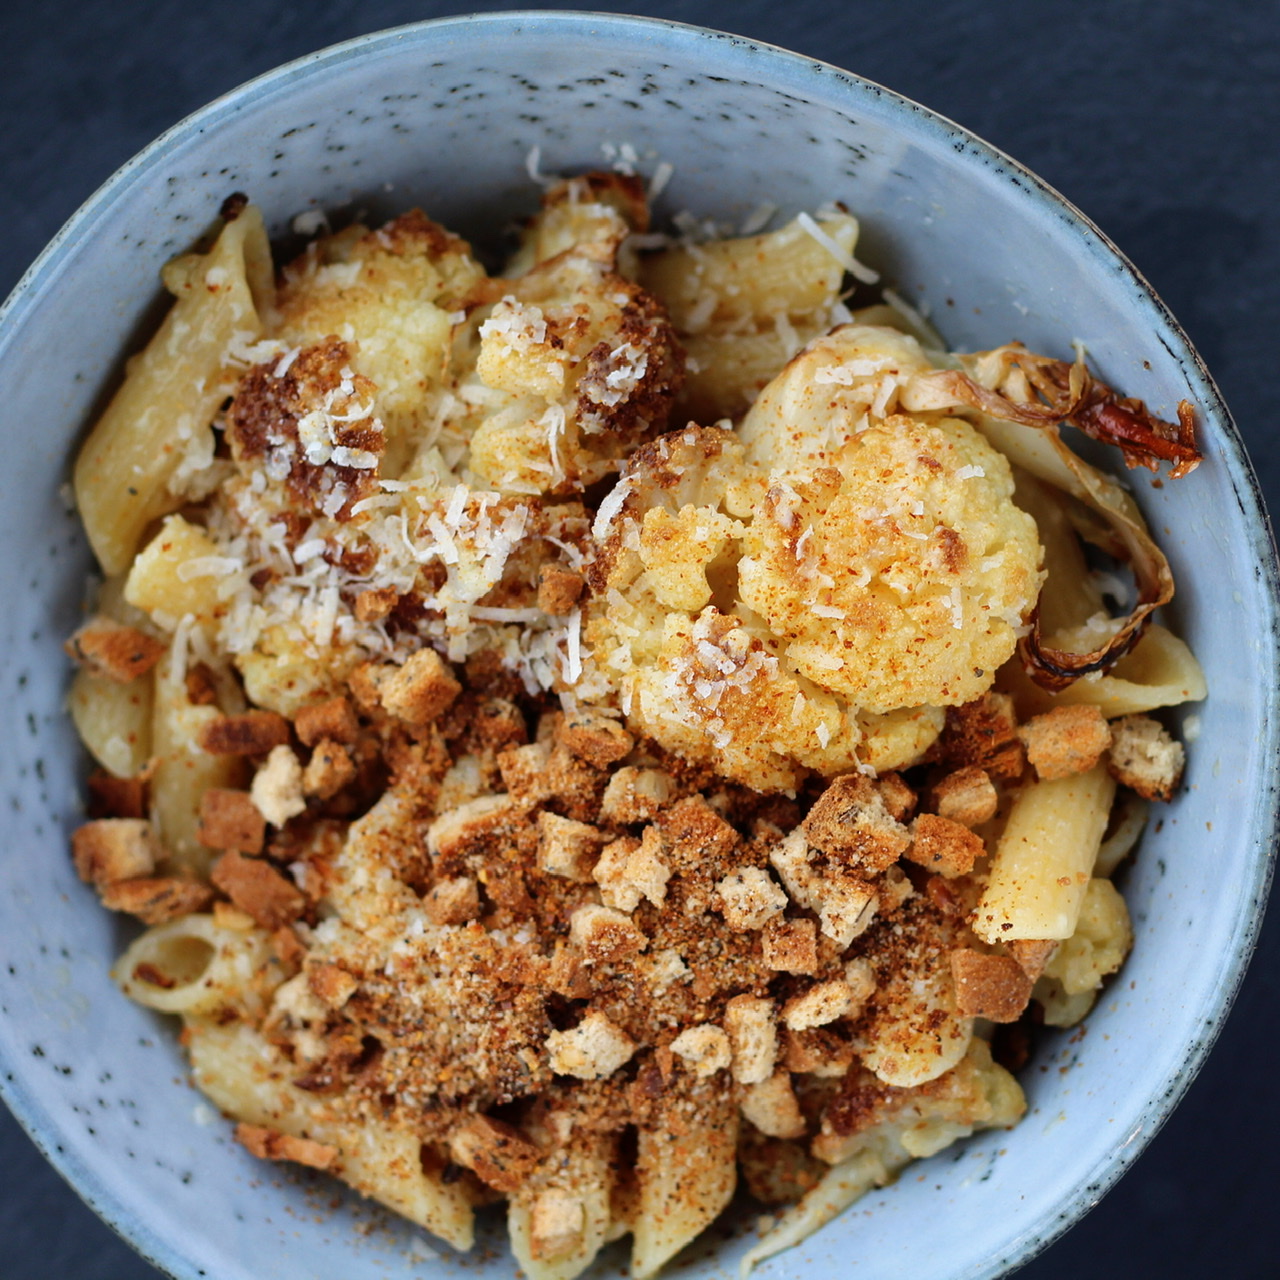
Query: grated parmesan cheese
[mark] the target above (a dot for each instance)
(859, 271)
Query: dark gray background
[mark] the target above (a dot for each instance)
(1157, 117)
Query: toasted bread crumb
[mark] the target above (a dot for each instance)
(967, 796)
(112, 849)
(277, 787)
(824, 1002)
(1032, 954)
(636, 795)
(559, 589)
(496, 1152)
(850, 822)
(453, 901)
(989, 986)
(944, 846)
(256, 887)
(230, 820)
(594, 737)
(1065, 741)
(703, 1048)
(271, 1144)
(333, 719)
(252, 733)
(331, 984)
(111, 649)
(629, 870)
(772, 1107)
(328, 771)
(375, 603)
(156, 900)
(791, 946)
(749, 898)
(595, 1048)
(557, 1225)
(112, 797)
(753, 1038)
(567, 848)
(984, 732)
(1145, 757)
(416, 693)
(605, 935)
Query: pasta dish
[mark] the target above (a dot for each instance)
(597, 734)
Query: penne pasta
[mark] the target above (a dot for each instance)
(1041, 867)
(172, 391)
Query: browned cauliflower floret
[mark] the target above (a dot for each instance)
(818, 613)
(574, 365)
(744, 306)
(396, 295)
(898, 574)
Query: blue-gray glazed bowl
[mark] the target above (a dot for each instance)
(445, 115)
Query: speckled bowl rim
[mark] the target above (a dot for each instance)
(809, 77)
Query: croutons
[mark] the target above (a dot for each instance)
(156, 900)
(749, 898)
(704, 1049)
(850, 822)
(332, 719)
(277, 787)
(331, 984)
(110, 649)
(1146, 757)
(271, 1144)
(967, 796)
(328, 771)
(605, 935)
(823, 1002)
(557, 1225)
(496, 1152)
(1066, 740)
(753, 1038)
(112, 797)
(636, 795)
(567, 848)
(941, 845)
(231, 820)
(984, 732)
(771, 1106)
(595, 1048)
(594, 737)
(375, 603)
(791, 946)
(112, 849)
(257, 888)
(989, 986)
(416, 693)
(559, 589)
(453, 901)
(252, 733)
(629, 870)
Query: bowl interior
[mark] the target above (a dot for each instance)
(446, 116)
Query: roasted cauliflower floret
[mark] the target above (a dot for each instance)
(819, 613)
(897, 575)
(831, 391)
(598, 209)
(574, 365)
(743, 307)
(395, 295)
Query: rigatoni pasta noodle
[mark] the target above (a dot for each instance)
(600, 733)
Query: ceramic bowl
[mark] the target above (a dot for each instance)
(446, 115)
